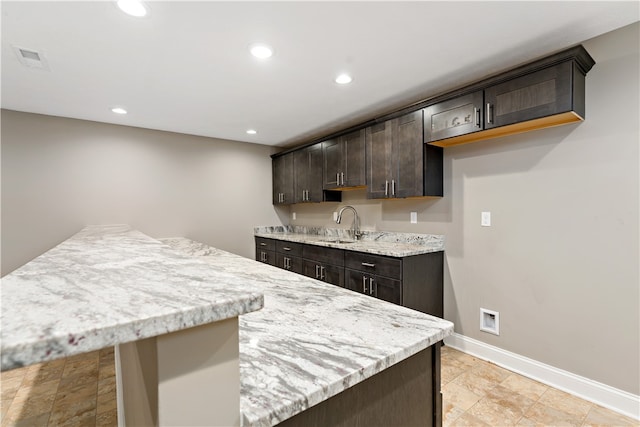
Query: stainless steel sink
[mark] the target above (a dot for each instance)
(337, 240)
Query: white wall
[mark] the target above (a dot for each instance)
(560, 262)
(61, 174)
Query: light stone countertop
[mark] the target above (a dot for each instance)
(108, 285)
(373, 242)
(311, 340)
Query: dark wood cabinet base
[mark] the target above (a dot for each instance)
(406, 394)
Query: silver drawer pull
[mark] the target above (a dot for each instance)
(368, 264)
(364, 285)
(286, 249)
(371, 290)
(263, 244)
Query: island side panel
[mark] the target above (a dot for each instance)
(190, 377)
(405, 394)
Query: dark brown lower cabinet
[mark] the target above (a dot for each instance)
(405, 394)
(414, 281)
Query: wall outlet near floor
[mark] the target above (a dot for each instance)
(414, 217)
(490, 321)
(485, 219)
(293, 215)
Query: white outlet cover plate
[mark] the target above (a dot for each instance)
(293, 216)
(414, 217)
(485, 219)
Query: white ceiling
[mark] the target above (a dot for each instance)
(186, 67)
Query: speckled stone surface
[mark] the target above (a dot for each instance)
(108, 285)
(373, 242)
(311, 340)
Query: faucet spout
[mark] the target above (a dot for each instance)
(355, 227)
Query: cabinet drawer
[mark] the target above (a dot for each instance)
(289, 248)
(374, 264)
(266, 244)
(323, 255)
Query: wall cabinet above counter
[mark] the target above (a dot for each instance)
(398, 155)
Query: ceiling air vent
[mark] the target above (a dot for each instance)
(31, 58)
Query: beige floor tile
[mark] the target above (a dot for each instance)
(501, 407)
(566, 402)
(490, 372)
(107, 419)
(44, 373)
(474, 383)
(88, 367)
(78, 413)
(4, 407)
(31, 407)
(107, 371)
(601, 417)
(524, 386)
(106, 403)
(450, 413)
(449, 372)
(468, 420)
(10, 388)
(34, 390)
(459, 396)
(107, 386)
(13, 374)
(542, 415)
(86, 392)
(36, 421)
(462, 358)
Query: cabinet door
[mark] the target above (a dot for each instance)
(354, 159)
(356, 281)
(283, 179)
(301, 178)
(314, 173)
(386, 289)
(408, 153)
(333, 274)
(268, 257)
(378, 154)
(333, 163)
(290, 263)
(457, 116)
(540, 94)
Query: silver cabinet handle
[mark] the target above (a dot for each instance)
(286, 249)
(317, 269)
(364, 285)
(337, 178)
(489, 115)
(367, 264)
(476, 112)
(322, 275)
(371, 291)
(263, 244)
(386, 188)
(342, 177)
(307, 195)
(393, 187)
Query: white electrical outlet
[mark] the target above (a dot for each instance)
(485, 219)
(335, 216)
(293, 215)
(414, 217)
(490, 321)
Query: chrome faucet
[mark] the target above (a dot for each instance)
(355, 227)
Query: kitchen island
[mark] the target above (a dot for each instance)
(314, 355)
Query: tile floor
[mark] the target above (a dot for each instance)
(80, 391)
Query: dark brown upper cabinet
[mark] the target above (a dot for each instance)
(307, 171)
(399, 165)
(283, 179)
(344, 161)
(548, 92)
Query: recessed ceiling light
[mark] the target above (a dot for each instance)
(260, 50)
(251, 132)
(119, 110)
(133, 7)
(343, 79)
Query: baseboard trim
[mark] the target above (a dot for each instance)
(609, 397)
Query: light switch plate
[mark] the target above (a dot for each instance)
(485, 219)
(293, 215)
(414, 217)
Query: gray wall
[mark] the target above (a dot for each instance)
(61, 174)
(560, 262)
